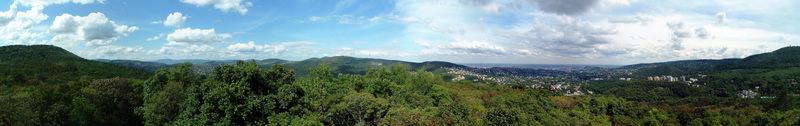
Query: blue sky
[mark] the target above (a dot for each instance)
(461, 31)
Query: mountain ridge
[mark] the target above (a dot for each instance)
(48, 63)
(786, 57)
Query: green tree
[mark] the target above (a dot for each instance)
(243, 94)
(359, 108)
(164, 91)
(115, 99)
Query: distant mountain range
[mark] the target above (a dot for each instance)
(787, 57)
(339, 64)
(50, 59)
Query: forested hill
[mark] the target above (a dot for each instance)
(786, 57)
(339, 64)
(144, 65)
(51, 64)
(353, 65)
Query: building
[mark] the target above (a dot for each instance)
(747, 94)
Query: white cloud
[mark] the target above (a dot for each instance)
(722, 18)
(374, 19)
(409, 19)
(189, 36)
(567, 36)
(469, 48)
(175, 19)
(702, 33)
(274, 50)
(94, 29)
(641, 19)
(344, 19)
(155, 37)
(248, 47)
(200, 48)
(50, 2)
(423, 43)
(677, 35)
(608, 4)
(224, 5)
(116, 50)
(17, 27)
(373, 53)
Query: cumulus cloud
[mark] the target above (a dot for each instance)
(224, 5)
(245, 47)
(16, 26)
(189, 36)
(564, 7)
(677, 35)
(95, 29)
(175, 19)
(572, 36)
(200, 48)
(702, 33)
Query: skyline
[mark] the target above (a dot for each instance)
(461, 31)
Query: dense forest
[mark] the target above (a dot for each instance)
(247, 93)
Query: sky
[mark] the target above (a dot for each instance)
(461, 31)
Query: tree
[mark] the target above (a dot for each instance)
(164, 91)
(243, 94)
(359, 108)
(115, 98)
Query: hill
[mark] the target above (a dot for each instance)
(771, 72)
(51, 64)
(676, 67)
(144, 65)
(786, 57)
(339, 64)
(174, 61)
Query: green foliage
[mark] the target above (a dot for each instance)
(360, 109)
(47, 64)
(164, 91)
(117, 97)
(647, 90)
(147, 66)
(243, 95)
(786, 57)
(341, 91)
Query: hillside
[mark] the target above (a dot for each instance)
(174, 61)
(339, 64)
(676, 67)
(787, 57)
(771, 72)
(147, 66)
(51, 64)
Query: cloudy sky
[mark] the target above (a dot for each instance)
(461, 31)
